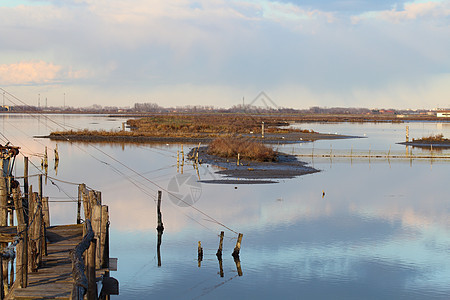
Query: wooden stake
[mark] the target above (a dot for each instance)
(104, 236)
(237, 249)
(91, 262)
(239, 156)
(3, 202)
(158, 211)
(80, 193)
(96, 226)
(219, 251)
(200, 253)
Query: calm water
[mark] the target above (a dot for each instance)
(380, 232)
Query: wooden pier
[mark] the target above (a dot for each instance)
(51, 262)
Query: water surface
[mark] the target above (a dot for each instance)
(380, 231)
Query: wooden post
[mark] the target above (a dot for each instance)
(239, 157)
(40, 186)
(407, 133)
(219, 251)
(262, 129)
(104, 238)
(96, 226)
(22, 251)
(25, 176)
(45, 158)
(81, 188)
(237, 249)
(158, 211)
(200, 254)
(91, 262)
(3, 202)
(45, 211)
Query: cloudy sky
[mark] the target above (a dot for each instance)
(302, 53)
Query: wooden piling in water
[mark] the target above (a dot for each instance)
(104, 238)
(237, 249)
(200, 254)
(22, 249)
(90, 271)
(219, 251)
(158, 211)
(81, 187)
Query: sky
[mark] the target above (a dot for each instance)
(342, 53)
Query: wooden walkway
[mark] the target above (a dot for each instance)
(54, 279)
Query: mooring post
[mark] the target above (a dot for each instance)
(200, 254)
(96, 226)
(22, 251)
(237, 249)
(158, 211)
(407, 133)
(239, 157)
(104, 236)
(80, 193)
(40, 186)
(45, 158)
(90, 271)
(3, 202)
(219, 251)
(25, 176)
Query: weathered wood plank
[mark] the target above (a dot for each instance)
(54, 279)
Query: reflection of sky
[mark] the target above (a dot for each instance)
(381, 231)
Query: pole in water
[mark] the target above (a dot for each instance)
(237, 249)
(239, 157)
(160, 223)
(219, 251)
(407, 133)
(200, 254)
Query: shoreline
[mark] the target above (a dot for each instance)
(270, 138)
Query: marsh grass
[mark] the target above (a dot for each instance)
(229, 147)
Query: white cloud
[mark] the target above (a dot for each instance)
(410, 11)
(39, 72)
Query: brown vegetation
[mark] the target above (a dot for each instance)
(211, 124)
(432, 138)
(247, 149)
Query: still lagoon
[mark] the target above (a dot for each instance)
(381, 231)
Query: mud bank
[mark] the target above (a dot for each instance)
(252, 172)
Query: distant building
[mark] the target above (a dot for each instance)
(443, 114)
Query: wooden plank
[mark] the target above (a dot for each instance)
(54, 279)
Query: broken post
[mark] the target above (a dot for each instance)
(237, 249)
(219, 251)
(158, 211)
(200, 254)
